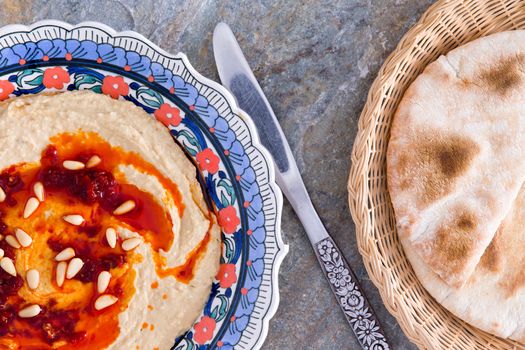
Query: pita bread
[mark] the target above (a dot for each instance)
(493, 298)
(456, 154)
(455, 172)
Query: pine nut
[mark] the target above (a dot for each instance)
(29, 311)
(111, 237)
(38, 188)
(33, 278)
(73, 165)
(12, 241)
(103, 281)
(105, 301)
(65, 254)
(31, 206)
(74, 267)
(23, 238)
(125, 207)
(131, 243)
(8, 266)
(61, 273)
(74, 219)
(93, 161)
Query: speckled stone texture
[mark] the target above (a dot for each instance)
(316, 60)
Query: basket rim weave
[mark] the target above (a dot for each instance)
(425, 322)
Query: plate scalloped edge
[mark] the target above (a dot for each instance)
(268, 294)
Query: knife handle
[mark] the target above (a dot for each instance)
(346, 288)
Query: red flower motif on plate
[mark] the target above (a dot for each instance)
(208, 161)
(114, 86)
(6, 89)
(204, 330)
(228, 219)
(168, 115)
(55, 78)
(226, 276)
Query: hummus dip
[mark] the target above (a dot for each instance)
(106, 240)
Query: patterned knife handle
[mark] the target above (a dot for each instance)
(347, 290)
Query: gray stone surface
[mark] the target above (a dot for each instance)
(316, 60)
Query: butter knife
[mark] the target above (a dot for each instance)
(237, 77)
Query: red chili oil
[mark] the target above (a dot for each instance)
(68, 319)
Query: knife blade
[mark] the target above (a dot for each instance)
(238, 78)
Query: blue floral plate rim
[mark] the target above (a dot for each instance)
(211, 125)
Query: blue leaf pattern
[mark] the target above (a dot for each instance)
(224, 188)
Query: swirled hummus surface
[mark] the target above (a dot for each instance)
(107, 242)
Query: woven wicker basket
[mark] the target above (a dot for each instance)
(446, 25)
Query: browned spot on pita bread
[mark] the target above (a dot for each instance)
(455, 242)
(504, 75)
(504, 257)
(432, 164)
(512, 283)
(465, 222)
(510, 243)
(492, 257)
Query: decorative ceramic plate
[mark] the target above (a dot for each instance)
(204, 119)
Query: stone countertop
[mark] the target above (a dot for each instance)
(315, 60)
